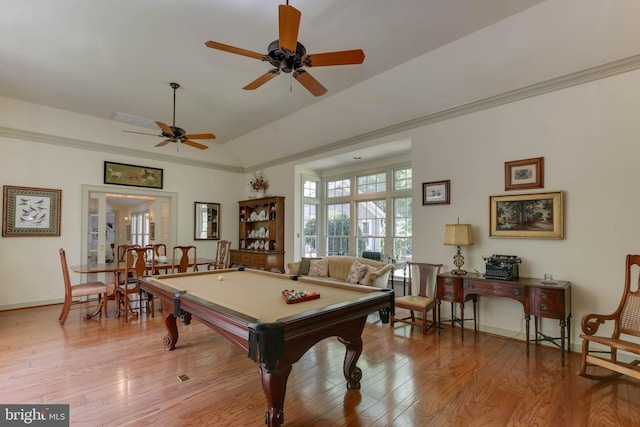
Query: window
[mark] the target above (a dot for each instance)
(402, 179)
(375, 183)
(310, 226)
(375, 217)
(310, 189)
(402, 225)
(371, 226)
(140, 229)
(339, 188)
(338, 226)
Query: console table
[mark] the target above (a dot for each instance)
(548, 300)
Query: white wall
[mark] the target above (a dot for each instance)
(587, 135)
(30, 266)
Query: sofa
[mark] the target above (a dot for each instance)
(338, 269)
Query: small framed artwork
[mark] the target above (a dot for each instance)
(132, 175)
(436, 193)
(29, 212)
(524, 174)
(532, 216)
(152, 231)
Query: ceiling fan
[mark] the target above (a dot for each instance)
(176, 134)
(288, 55)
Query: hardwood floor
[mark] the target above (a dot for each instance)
(112, 373)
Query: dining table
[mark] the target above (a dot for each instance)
(117, 268)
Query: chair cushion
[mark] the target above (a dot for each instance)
(414, 302)
(356, 272)
(91, 288)
(319, 268)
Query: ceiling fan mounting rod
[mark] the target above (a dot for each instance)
(174, 86)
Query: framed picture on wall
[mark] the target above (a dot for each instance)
(30, 212)
(533, 216)
(132, 175)
(524, 174)
(436, 193)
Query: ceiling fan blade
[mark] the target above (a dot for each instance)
(166, 130)
(141, 133)
(310, 83)
(200, 136)
(289, 24)
(262, 79)
(195, 144)
(163, 143)
(236, 50)
(344, 57)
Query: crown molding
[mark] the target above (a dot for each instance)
(610, 69)
(94, 146)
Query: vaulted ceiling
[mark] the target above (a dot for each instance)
(100, 58)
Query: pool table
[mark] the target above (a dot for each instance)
(246, 306)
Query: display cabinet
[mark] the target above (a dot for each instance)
(261, 234)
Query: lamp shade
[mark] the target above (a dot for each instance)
(458, 235)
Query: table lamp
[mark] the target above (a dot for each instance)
(458, 235)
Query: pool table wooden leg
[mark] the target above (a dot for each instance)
(352, 373)
(171, 338)
(274, 384)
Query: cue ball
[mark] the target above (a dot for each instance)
(221, 277)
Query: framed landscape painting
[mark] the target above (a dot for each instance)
(29, 212)
(534, 216)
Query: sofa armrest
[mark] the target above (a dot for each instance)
(294, 268)
(380, 277)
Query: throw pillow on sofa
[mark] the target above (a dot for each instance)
(365, 280)
(319, 268)
(305, 263)
(356, 272)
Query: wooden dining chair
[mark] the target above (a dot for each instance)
(80, 290)
(222, 256)
(181, 256)
(122, 251)
(137, 261)
(425, 275)
(160, 249)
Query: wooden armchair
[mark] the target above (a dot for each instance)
(425, 298)
(626, 321)
(222, 256)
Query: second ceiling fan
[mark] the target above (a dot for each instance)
(288, 55)
(176, 134)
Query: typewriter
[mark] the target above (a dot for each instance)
(502, 267)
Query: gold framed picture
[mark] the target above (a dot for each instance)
(532, 216)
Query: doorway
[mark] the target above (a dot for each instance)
(108, 216)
